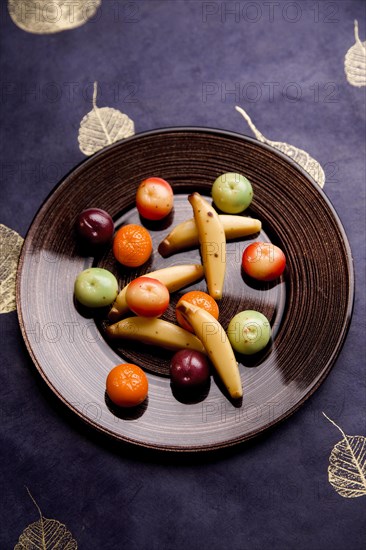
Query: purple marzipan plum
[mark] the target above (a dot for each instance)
(94, 227)
(189, 369)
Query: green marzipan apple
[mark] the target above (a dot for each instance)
(96, 287)
(249, 332)
(232, 193)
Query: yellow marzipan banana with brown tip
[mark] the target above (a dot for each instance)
(174, 278)
(156, 332)
(217, 345)
(185, 234)
(212, 240)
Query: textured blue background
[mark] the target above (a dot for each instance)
(169, 63)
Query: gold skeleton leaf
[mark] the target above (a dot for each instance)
(102, 127)
(347, 465)
(302, 158)
(47, 17)
(355, 62)
(10, 247)
(45, 534)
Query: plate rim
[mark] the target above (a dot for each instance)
(270, 425)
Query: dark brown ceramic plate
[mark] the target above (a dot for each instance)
(309, 308)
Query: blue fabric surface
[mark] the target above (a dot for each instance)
(169, 63)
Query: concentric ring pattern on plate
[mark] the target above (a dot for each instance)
(310, 306)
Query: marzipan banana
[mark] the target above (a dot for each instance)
(155, 331)
(185, 234)
(217, 345)
(174, 278)
(212, 244)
